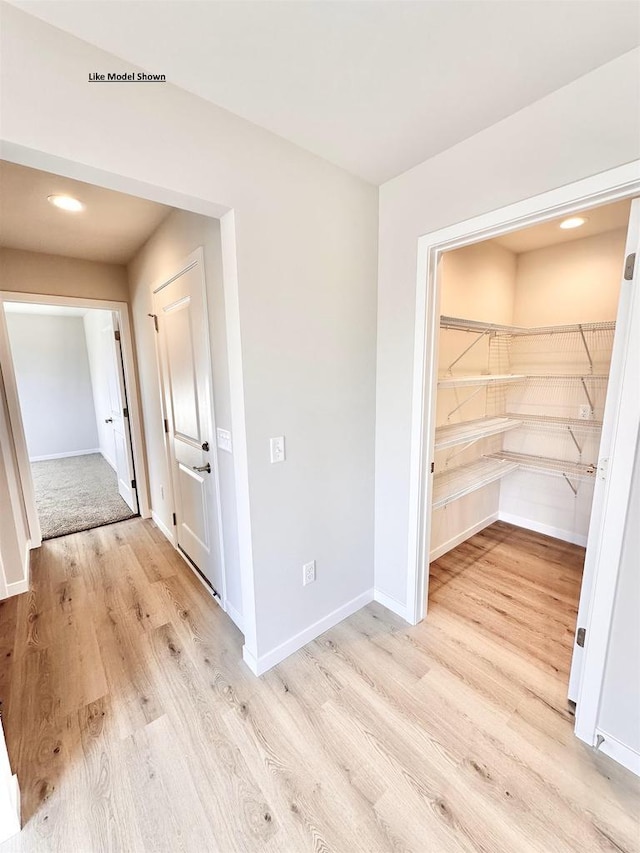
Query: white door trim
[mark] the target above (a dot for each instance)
(17, 433)
(13, 404)
(193, 260)
(612, 185)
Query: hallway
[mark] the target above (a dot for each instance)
(134, 725)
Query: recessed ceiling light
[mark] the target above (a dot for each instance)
(573, 222)
(66, 202)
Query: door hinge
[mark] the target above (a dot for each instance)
(580, 637)
(133, 484)
(125, 412)
(166, 425)
(629, 266)
(175, 520)
(116, 335)
(155, 320)
(433, 467)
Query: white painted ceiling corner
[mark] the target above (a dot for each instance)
(374, 87)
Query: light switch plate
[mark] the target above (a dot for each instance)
(277, 449)
(224, 440)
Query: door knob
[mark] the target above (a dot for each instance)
(206, 467)
(108, 420)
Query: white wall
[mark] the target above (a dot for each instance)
(306, 238)
(573, 282)
(478, 283)
(55, 275)
(580, 130)
(179, 235)
(620, 704)
(54, 384)
(99, 354)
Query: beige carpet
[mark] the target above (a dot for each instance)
(75, 494)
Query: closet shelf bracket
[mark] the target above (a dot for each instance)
(466, 400)
(573, 488)
(586, 347)
(575, 440)
(471, 346)
(587, 394)
(453, 453)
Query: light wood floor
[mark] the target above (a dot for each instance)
(134, 725)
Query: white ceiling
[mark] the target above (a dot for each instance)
(111, 229)
(375, 87)
(599, 220)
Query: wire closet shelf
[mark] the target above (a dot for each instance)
(478, 326)
(450, 485)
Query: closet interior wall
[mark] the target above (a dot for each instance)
(554, 416)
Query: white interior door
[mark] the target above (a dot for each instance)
(616, 456)
(181, 319)
(118, 417)
(105, 390)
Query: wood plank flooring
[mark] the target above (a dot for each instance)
(133, 724)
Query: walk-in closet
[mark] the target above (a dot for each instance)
(527, 328)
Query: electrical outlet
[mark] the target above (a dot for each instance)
(277, 449)
(308, 572)
(585, 412)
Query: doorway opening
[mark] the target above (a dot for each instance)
(605, 511)
(527, 326)
(69, 373)
(113, 256)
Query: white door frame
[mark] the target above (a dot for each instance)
(612, 185)
(13, 403)
(194, 259)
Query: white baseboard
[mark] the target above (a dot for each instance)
(391, 604)
(162, 527)
(265, 662)
(234, 615)
(463, 536)
(64, 455)
(625, 755)
(546, 529)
